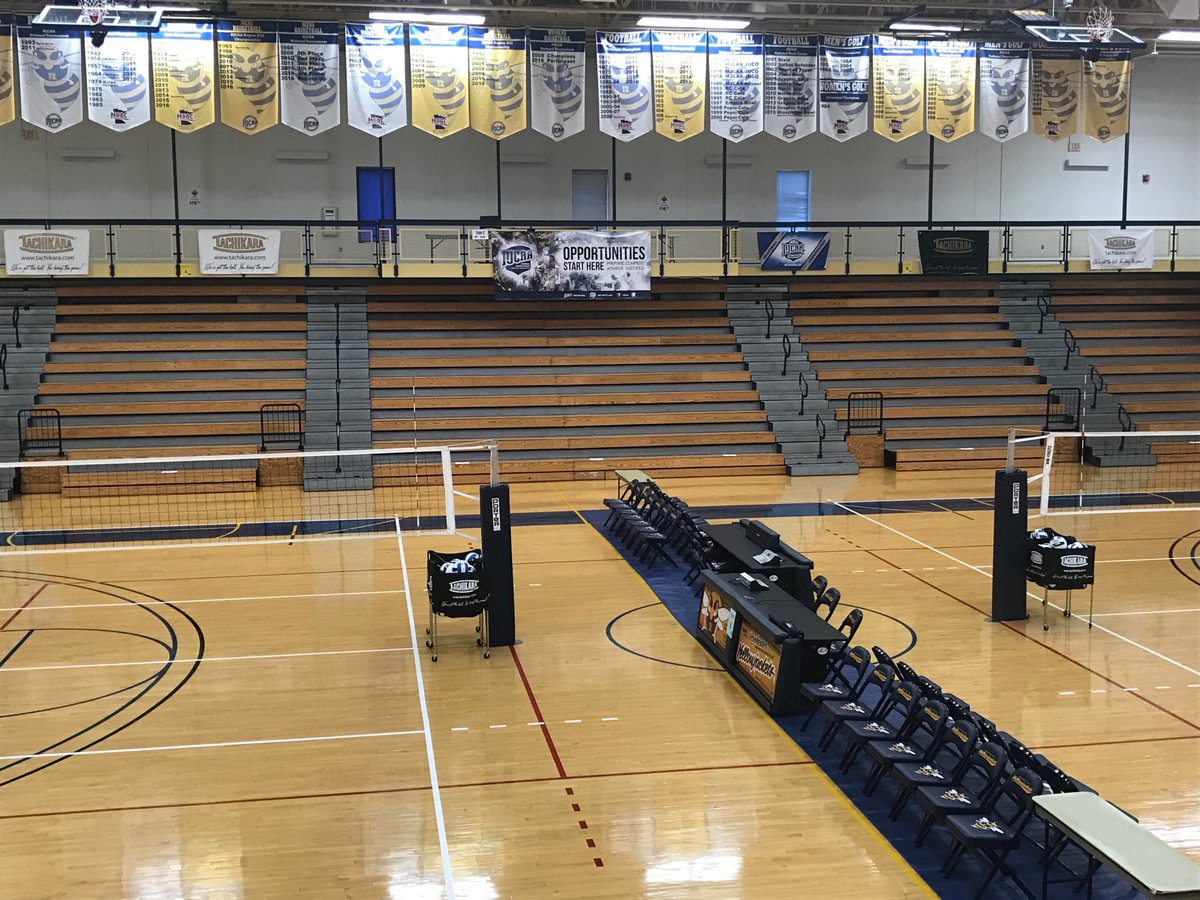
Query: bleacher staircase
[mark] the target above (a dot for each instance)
(23, 365)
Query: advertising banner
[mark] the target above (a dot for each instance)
(497, 73)
(953, 252)
(758, 658)
(1112, 248)
(118, 81)
(1003, 90)
(1054, 102)
(309, 76)
(248, 75)
(735, 84)
(59, 252)
(376, 100)
(182, 64)
(949, 89)
(571, 264)
(556, 81)
(51, 64)
(845, 81)
(1106, 95)
(717, 620)
(238, 252)
(793, 250)
(790, 85)
(898, 70)
(624, 85)
(680, 74)
(438, 58)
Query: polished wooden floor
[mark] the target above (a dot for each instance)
(293, 760)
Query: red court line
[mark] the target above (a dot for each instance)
(562, 773)
(21, 608)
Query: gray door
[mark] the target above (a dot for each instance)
(589, 194)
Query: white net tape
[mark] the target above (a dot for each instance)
(1100, 23)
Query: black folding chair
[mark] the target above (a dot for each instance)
(830, 599)
(842, 682)
(882, 656)
(903, 705)
(882, 679)
(819, 583)
(947, 766)
(918, 742)
(851, 623)
(971, 794)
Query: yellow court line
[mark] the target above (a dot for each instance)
(571, 506)
(230, 533)
(9, 539)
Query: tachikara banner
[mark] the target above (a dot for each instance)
(790, 85)
(8, 103)
(497, 81)
(60, 252)
(376, 100)
(1112, 248)
(793, 250)
(735, 84)
(118, 81)
(623, 83)
(680, 75)
(898, 101)
(438, 59)
(949, 89)
(1003, 90)
(1106, 95)
(182, 64)
(572, 264)
(557, 61)
(309, 76)
(248, 75)
(845, 82)
(51, 64)
(1055, 95)
(238, 252)
(953, 252)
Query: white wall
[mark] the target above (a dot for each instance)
(454, 178)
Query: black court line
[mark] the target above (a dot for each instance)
(1175, 561)
(11, 653)
(666, 662)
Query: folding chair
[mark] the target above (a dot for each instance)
(918, 742)
(819, 583)
(959, 708)
(842, 681)
(903, 706)
(830, 598)
(971, 794)
(883, 678)
(851, 623)
(947, 766)
(882, 656)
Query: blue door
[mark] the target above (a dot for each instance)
(376, 200)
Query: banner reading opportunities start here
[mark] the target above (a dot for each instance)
(571, 264)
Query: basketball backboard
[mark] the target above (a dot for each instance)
(1080, 37)
(115, 18)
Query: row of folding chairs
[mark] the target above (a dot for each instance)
(655, 525)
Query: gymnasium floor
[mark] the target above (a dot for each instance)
(294, 760)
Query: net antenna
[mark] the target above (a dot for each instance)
(1100, 23)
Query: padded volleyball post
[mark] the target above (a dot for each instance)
(1009, 526)
(496, 532)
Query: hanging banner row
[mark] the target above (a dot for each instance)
(497, 81)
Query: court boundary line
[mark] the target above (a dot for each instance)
(448, 872)
(20, 609)
(206, 659)
(264, 597)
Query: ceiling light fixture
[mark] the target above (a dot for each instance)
(685, 22)
(925, 27)
(446, 18)
(1181, 37)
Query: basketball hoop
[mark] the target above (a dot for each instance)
(93, 10)
(1099, 24)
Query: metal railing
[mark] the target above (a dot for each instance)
(864, 412)
(1043, 305)
(802, 384)
(820, 436)
(787, 353)
(1126, 424)
(39, 431)
(4, 364)
(281, 426)
(1072, 347)
(16, 325)
(770, 316)
(1063, 406)
(1099, 385)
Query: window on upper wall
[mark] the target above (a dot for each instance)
(792, 195)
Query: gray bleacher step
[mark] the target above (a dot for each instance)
(554, 390)
(822, 467)
(564, 369)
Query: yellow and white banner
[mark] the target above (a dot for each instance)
(310, 76)
(1106, 95)
(182, 65)
(118, 81)
(497, 79)
(898, 87)
(439, 72)
(680, 73)
(1054, 96)
(51, 64)
(949, 89)
(248, 75)
(376, 98)
(8, 102)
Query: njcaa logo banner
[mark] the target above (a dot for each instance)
(1004, 90)
(1054, 101)
(375, 73)
(790, 85)
(51, 77)
(238, 252)
(899, 70)
(793, 250)
(1112, 248)
(680, 70)
(182, 66)
(1106, 95)
(62, 252)
(949, 89)
(8, 104)
(248, 75)
(556, 81)
(845, 77)
(118, 81)
(439, 78)
(497, 71)
(571, 264)
(309, 76)
(623, 78)
(735, 84)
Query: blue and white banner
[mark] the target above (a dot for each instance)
(790, 85)
(51, 66)
(793, 250)
(1003, 90)
(118, 81)
(376, 97)
(624, 85)
(845, 84)
(572, 264)
(556, 81)
(735, 84)
(680, 73)
(310, 76)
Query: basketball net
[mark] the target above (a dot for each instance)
(94, 10)
(1099, 23)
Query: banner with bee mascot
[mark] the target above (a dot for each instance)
(680, 76)
(735, 84)
(1106, 95)
(376, 100)
(1003, 90)
(182, 69)
(8, 102)
(949, 89)
(556, 81)
(51, 64)
(118, 81)
(623, 83)
(248, 75)
(898, 87)
(439, 78)
(845, 81)
(790, 85)
(1054, 99)
(497, 78)
(310, 76)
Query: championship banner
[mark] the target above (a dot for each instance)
(949, 89)
(1054, 98)
(898, 85)
(792, 250)
(571, 264)
(439, 78)
(51, 64)
(497, 78)
(62, 252)
(1112, 248)
(680, 75)
(557, 63)
(309, 76)
(182, 66)
(118, 81)
(375, 71)
(8, 103)
(1003, 90)
(248, 75)
(1106, 95)
(735, 84)
(790, 85)
(623, 83)
(238, 252)
(845, 80)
